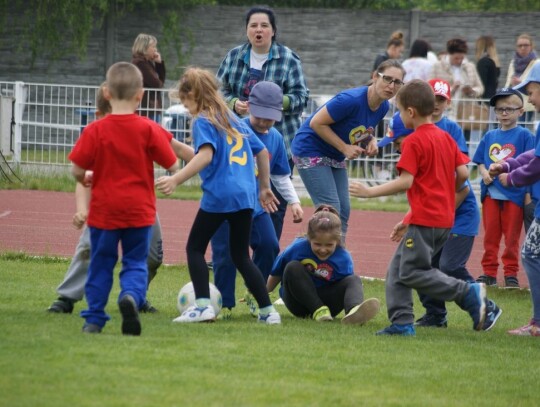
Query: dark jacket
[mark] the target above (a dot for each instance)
(153, 77)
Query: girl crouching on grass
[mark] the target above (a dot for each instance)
(224, 149)
(317, 274)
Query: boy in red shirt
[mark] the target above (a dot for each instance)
(120, 149)
(431, 169)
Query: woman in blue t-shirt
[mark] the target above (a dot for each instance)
(343, 128)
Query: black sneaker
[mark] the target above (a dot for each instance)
(148, 308)
(432, 321)
(91, 329)
(131, 325)
(493, 312)
(62, 305)
(487, 280)
(511, 282)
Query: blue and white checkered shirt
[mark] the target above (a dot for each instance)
(283, 67)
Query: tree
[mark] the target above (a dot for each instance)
(56, 28)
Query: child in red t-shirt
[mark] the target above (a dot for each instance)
(431, 169)
(120, 149)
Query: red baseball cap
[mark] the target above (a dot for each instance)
(441, 88)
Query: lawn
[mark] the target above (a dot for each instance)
(45, 360)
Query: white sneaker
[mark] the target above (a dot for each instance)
(363, 312)
(271, 319)
(195, 314)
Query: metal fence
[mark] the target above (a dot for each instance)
(40, 123)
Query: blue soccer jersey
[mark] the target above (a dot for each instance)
(228, 182)
(323, 272)
(452, 128)
(354, 122)
(498, 145)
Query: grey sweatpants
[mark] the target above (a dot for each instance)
(411, 268)
(73, 285)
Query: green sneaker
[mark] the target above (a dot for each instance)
(362, 312)
(322, 314)
(225, 314)
(252, 304)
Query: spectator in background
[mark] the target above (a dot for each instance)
(458, 71)
(464, 81)
(488, 65)
(147, 58)
(417, 66)
(394, 49)
(262, 58)
(519, 68)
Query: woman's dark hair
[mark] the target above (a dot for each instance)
(457, 45)
(266, 10)
(419, 48)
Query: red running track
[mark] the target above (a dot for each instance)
(39, 223)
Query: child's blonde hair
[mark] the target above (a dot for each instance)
(202, 87)
(325, 220)
(124, 81)
(103, 107)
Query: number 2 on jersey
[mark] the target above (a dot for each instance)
(239, 158)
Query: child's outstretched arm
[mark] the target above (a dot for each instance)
(400, 184)
(267, 198)
(167, 184)
(522, 170)
(182, 150)
(82, 202)
(285, 187)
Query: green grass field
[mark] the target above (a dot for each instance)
(45, 360)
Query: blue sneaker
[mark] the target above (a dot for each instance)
(474, 303)
(493, 313)
(398, 329)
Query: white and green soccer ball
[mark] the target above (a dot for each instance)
(186, 298)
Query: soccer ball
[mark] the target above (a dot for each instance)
(186, 298)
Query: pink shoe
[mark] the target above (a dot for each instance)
(528, 330)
